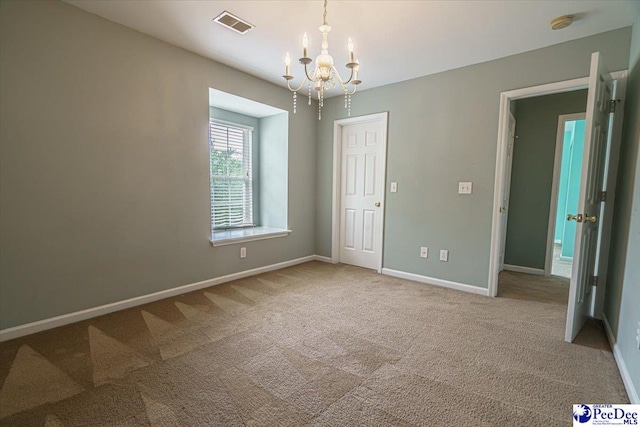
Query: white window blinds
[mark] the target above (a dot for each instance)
(231, 180)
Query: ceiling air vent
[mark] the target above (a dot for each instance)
(231, 21)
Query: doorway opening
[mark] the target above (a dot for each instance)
(542, 182)
(566, 192)
(598, 180)
(535, 187)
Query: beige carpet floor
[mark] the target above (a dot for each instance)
(315, 344)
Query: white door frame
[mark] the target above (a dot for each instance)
(503, 138)
(503, 230)
(337, 158)
(555, 187)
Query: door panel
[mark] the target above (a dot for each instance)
(352, 139)
(350, 173)
(589, 205)
(597, 165)
(368, 224)
(362, 186)
(350, 229)
(370, 175)
(371, 138)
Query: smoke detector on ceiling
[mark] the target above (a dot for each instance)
(234, 23)
(561, 22)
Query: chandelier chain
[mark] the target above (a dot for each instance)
(324, 15)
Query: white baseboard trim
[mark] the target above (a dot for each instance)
(622, 367)
(527, 270)
(323, 259)
(437, 282)
(65, 319)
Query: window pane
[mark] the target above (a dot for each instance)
(231, 180)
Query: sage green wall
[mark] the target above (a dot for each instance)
(104, 171)
(443, 129)
(622, 301)
(532, 174)
(273, 161)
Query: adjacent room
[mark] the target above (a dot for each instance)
(328, 213)
(540, 198)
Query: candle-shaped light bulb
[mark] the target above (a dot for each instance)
(350, 46)
(287, 62)
(305, 45)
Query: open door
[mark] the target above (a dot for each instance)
(504, 205)
(596, 144)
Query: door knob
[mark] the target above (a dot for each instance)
(377, 204)
(577, 218)
(590, 218)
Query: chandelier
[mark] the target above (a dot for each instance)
(324, 76)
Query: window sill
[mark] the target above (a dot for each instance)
(240, 235)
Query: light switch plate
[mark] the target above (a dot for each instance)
(464, 187)
(424, 252)
(394, 187)
(444, 255)
(243, 252)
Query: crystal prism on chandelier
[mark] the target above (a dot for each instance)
(324, 76)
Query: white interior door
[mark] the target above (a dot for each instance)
(504, 206)
(361, 193)
(594, 161)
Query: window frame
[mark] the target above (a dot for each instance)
(247, 143)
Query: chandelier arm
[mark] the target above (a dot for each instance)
(342, 85)
(355, 88)
(337, 74)
(346, 89)
(306, 72)
(298, 88)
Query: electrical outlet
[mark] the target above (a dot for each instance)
(638, 336)
(243, 252)
(424, 252)
(444, 255)
(465, 187)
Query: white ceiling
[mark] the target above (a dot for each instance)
(394, 40)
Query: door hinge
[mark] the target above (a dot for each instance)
(603, 196)
(612, 105)
(593, 280)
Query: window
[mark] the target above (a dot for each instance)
(231, 175)
(249, 169)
